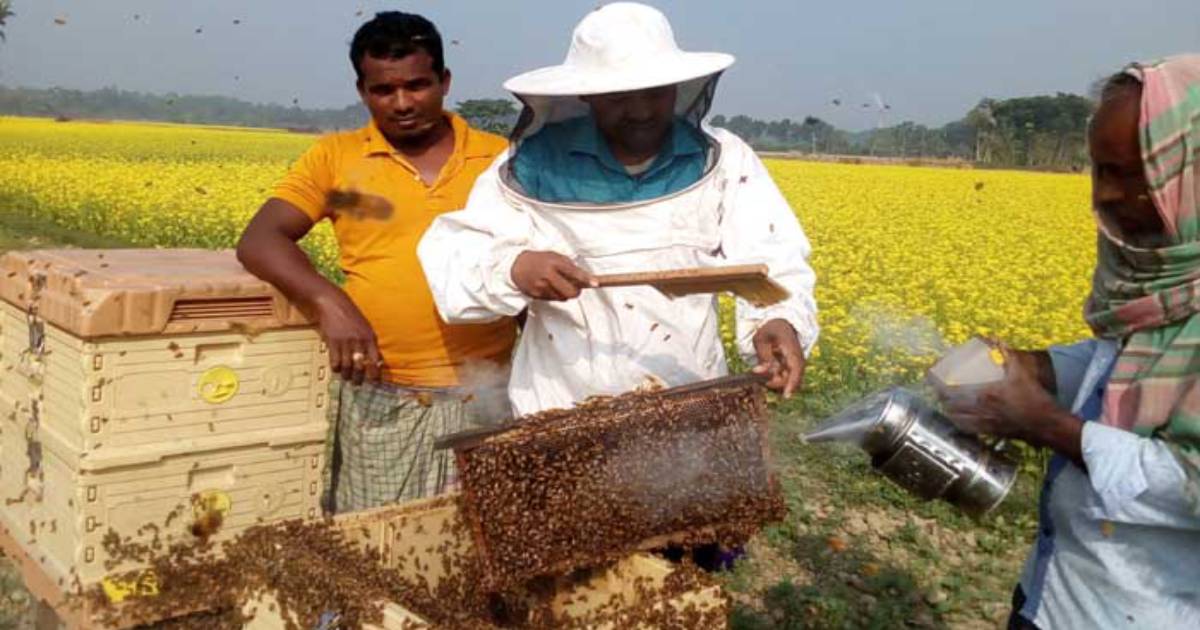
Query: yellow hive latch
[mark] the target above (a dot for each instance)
(136, 584)
(218, 384)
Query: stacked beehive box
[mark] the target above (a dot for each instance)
(151, 390)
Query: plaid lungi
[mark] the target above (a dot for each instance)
(383, 443)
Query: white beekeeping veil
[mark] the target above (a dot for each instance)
(621, 47)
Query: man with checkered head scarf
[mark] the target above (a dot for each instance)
(611, 170)
(1118, 539)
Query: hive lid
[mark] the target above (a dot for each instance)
(119, 292)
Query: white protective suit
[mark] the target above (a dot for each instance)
(613, 340)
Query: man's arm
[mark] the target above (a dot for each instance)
(1139, 480)
(268, 249)
(468, 255)
(759, 226)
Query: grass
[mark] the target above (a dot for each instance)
(19, 231)
(855, 552)
(859, 552)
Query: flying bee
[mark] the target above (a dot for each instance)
(358, 205)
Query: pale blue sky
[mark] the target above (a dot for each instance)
(930, 59)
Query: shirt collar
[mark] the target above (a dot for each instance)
(588, 140)
(466, 142)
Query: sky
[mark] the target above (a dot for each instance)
(929, 60)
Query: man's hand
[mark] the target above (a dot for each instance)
(780, 355)
(268, 250)
(1019, 407)
(549, 276)
(353, 349)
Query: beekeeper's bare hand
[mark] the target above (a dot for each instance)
(353, 349)
(780, 355)
(1019, 407)
(550, 276)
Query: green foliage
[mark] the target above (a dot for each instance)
(5, 13)
(497, 115)
(811, 135)
(1030, 132)
(1038, 131)
(494, 115)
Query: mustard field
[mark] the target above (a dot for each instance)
(908, 259)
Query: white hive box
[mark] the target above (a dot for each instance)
(145, 387)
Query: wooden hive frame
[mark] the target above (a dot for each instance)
(641, 412)
(432, 527)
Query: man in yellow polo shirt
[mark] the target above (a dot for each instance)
(402, 370)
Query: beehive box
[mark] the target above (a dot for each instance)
(426, 542)
(571, 488)
(146, 387)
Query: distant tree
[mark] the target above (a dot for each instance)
(497, 115)
(956, 139)
(1044, 130)
(820, 136)
(812, 134)
(5, 13)
(982, 120)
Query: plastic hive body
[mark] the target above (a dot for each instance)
(140, 389)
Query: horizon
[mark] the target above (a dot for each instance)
(451, 104)
(930, 63)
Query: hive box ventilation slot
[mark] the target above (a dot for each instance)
(224, 308)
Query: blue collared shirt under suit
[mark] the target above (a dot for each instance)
(1118, 544)
(570, 162)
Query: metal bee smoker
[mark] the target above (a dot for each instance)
(918, 448)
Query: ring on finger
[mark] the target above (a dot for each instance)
(357, 358)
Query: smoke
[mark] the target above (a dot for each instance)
(486, 385)
(885, 347)
(894, 332)
(690, 476)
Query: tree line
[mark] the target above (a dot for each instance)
(495, 115)
(1027, 132)
(112, 103)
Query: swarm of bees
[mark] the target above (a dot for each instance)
(575, 488)
(313, 571)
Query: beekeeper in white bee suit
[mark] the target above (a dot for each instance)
(610, 170)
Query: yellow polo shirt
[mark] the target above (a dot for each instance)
(379, 253)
